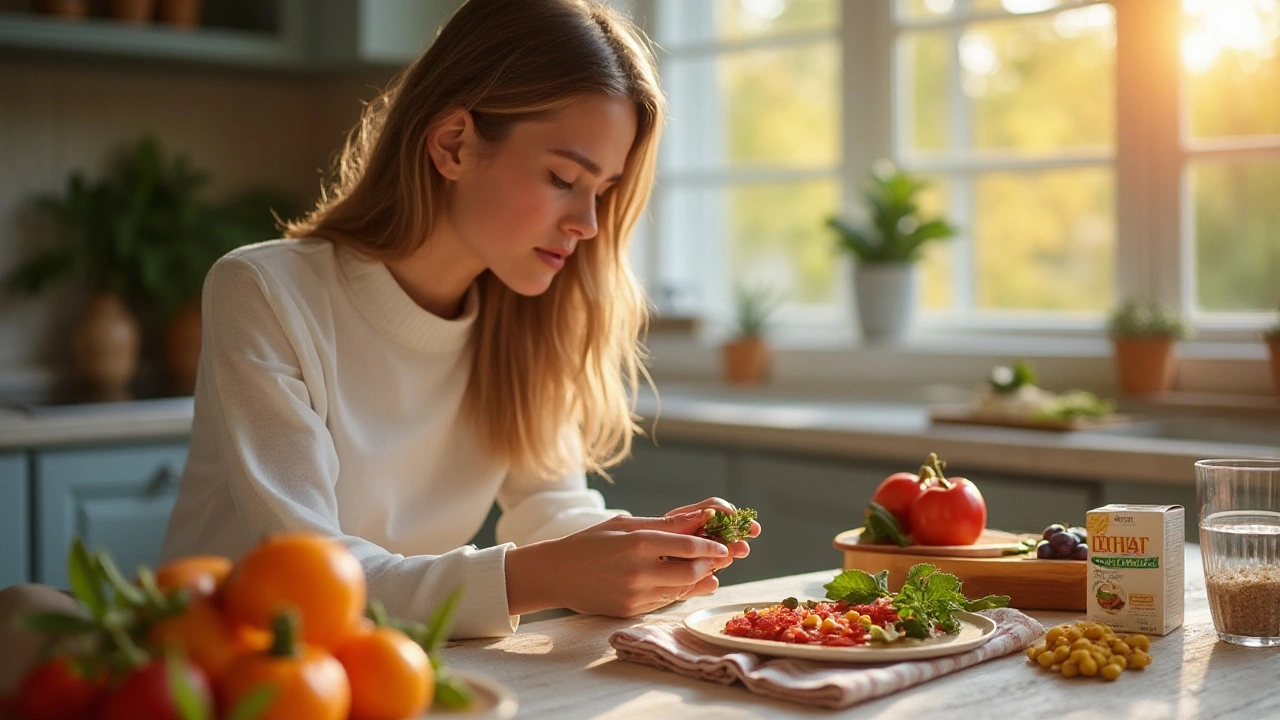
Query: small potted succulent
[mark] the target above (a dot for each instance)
(1272, 337)
(1144, 337)
(746, 356)
(887, 248)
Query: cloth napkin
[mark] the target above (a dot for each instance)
(666, 644)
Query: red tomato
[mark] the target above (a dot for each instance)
(55, 690)
(146, 694)
(897, 494)
(951, 512)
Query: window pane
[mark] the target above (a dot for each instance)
(683, 22)
(1042, 83)
(778, 107)
(777, 238)
(927, 67)
(1237, 235)
(939, 288)
(923, 9)
(1045, 240)
(1231, 51)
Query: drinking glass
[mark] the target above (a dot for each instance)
(1239, 510)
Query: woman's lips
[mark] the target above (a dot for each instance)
(553, 260)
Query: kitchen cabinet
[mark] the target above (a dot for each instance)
(15, 531)
(283, 35)
(658, 479)
(114, 497)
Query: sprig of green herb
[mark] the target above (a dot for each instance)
(928, 599)
(725, 528)
(882, 527)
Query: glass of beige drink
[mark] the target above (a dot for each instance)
(1239, 510)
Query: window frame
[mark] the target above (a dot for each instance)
(1151, 158)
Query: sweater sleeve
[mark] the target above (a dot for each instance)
(535, 508)
(264, 398)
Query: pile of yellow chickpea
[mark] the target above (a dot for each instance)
(1090, 649)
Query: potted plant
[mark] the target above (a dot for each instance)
(98, 242)
(1143, 335)
(886, 277)
(1272, 338)
(746, 356)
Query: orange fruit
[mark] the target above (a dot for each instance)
(306, 681)
(317, 576)
(210, 640)
(201, 574)
(391, 677)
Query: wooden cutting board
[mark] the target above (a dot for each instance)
(1030, 583)
(964, 415)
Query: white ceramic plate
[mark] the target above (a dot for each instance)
(708, 624)
(490, 699)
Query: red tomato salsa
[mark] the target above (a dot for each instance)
(836, 623)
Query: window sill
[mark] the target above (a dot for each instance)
(1205, 368)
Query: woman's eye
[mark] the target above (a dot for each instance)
(561, 182)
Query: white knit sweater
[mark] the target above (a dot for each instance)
(329, 401)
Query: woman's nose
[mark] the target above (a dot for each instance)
(581, 223)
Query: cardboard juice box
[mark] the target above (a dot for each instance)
(1135, 567)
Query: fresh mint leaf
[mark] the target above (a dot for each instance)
(858, 587)
(451, 693)
(987, 603)
(441, 621)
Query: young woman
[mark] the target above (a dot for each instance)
(455, 323)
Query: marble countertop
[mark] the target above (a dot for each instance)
(799, 421)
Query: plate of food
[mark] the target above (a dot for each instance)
(777, 622)
(860, 620)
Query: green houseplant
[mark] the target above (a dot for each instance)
(887, 248)
(746, 356)
(1144, 335)
(110, 232)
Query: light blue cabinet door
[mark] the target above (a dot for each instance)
(117, 498)
(15, 532)
(658, 479)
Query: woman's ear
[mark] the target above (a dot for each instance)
(447, 140)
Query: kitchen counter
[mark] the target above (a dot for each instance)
(565, 668)
(796, 421)
(26, 426)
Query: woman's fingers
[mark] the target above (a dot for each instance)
(712, 503)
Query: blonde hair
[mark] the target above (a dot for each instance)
(571, 357)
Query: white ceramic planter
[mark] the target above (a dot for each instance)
(886, 295)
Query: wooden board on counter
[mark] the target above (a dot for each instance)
(965, 415)
(1030, 583)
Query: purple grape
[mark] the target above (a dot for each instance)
(1043, 550)
(1063, 543)
(1052, 530)
(1080, 553)
(1081, 534)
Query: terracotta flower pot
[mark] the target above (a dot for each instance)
(1145, 366)
(183, 14)
(105, 344)
(135, 12)
(1274, 345)
(746, 361)
(182, 348)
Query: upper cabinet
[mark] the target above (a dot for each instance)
(281, 35)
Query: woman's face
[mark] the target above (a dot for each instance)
(524, 205)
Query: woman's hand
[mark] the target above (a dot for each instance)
(737, 550)
(622, 567)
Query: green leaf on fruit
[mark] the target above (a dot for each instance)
(86, 580)
(56, 623)
(882, 527)
(253, 704)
